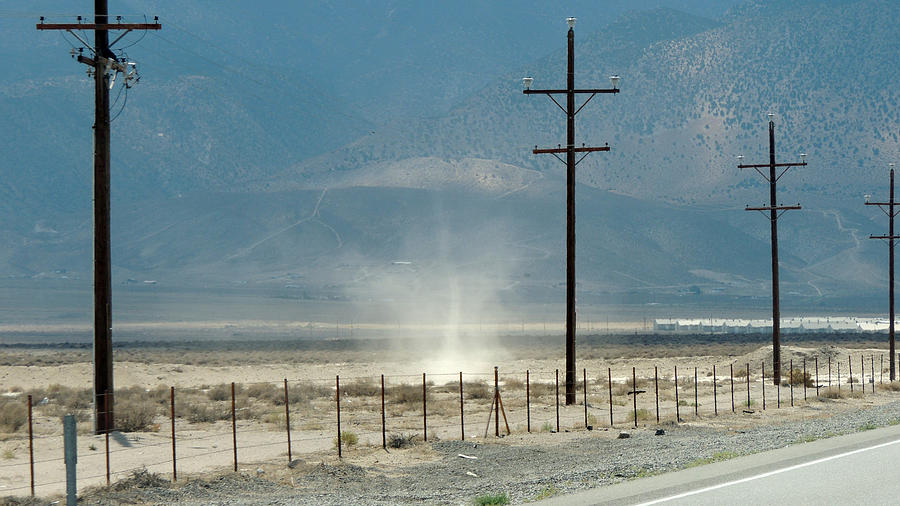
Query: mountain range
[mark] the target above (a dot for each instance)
(382, 149)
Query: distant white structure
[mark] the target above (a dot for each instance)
(800, 325)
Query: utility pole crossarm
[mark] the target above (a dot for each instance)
(884, 237)
(767, 165)
(87, 61)
(537, 151)
(773, 208)
(889, 205)
(563, 92)
(98, 26)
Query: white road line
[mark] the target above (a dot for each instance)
(765, 475)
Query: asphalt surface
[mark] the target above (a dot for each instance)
(850, 469)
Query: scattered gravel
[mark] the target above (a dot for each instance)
(525, 469)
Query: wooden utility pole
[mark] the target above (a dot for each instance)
(105, 67)
(774, 212)
(570, 162)
(888, 208)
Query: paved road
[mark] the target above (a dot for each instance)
(851, 469)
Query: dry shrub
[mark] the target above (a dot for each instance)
(797, 378)
(348, 439)
(835, 393)
(202, 412)
(266, 392)
(892, 386)
(221, 392)
(513, 384)
(407, 394)
(159, 395)
(275, 418)
(134, 414)
(71, 399)
(539, 389)
(619, 389)
(477, 390)
(444, 407)
(307, 391)
(13, 415)
(401, 440)
(642, 415)
(361, 387)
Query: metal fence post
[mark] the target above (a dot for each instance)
(715, 399)
(106, 432)
(804, 379)
(337, 399)
(425, 408)
(172, 410)
(234, 428)
(584, 381)
(748, 385)
(677, 407)
(817, 376)
(528, 398)
(71, 459)
(609, 374)
(462, 420)
(287, 418)
(763, 370)
(696, 395)
(656, 383)
(634, 394)
(31, 443)
(557, 404)
(732, 387)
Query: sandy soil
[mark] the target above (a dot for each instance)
(208, 447)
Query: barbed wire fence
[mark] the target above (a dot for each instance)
(163, 429)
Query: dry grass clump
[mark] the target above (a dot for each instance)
(407, 394)
(62, 400)
(266, 392)
(843, 393)
(513, 384)
(222, 392)
(832, 393)
(348, 439)
(797, 378)
(620, 389)
(361, 387)
(542, 389)
(13, 415)
(477, 390)
(135, 415)
(306, 391)
(642, 415)
(401, 440)
(204, 412)
(72, 398)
